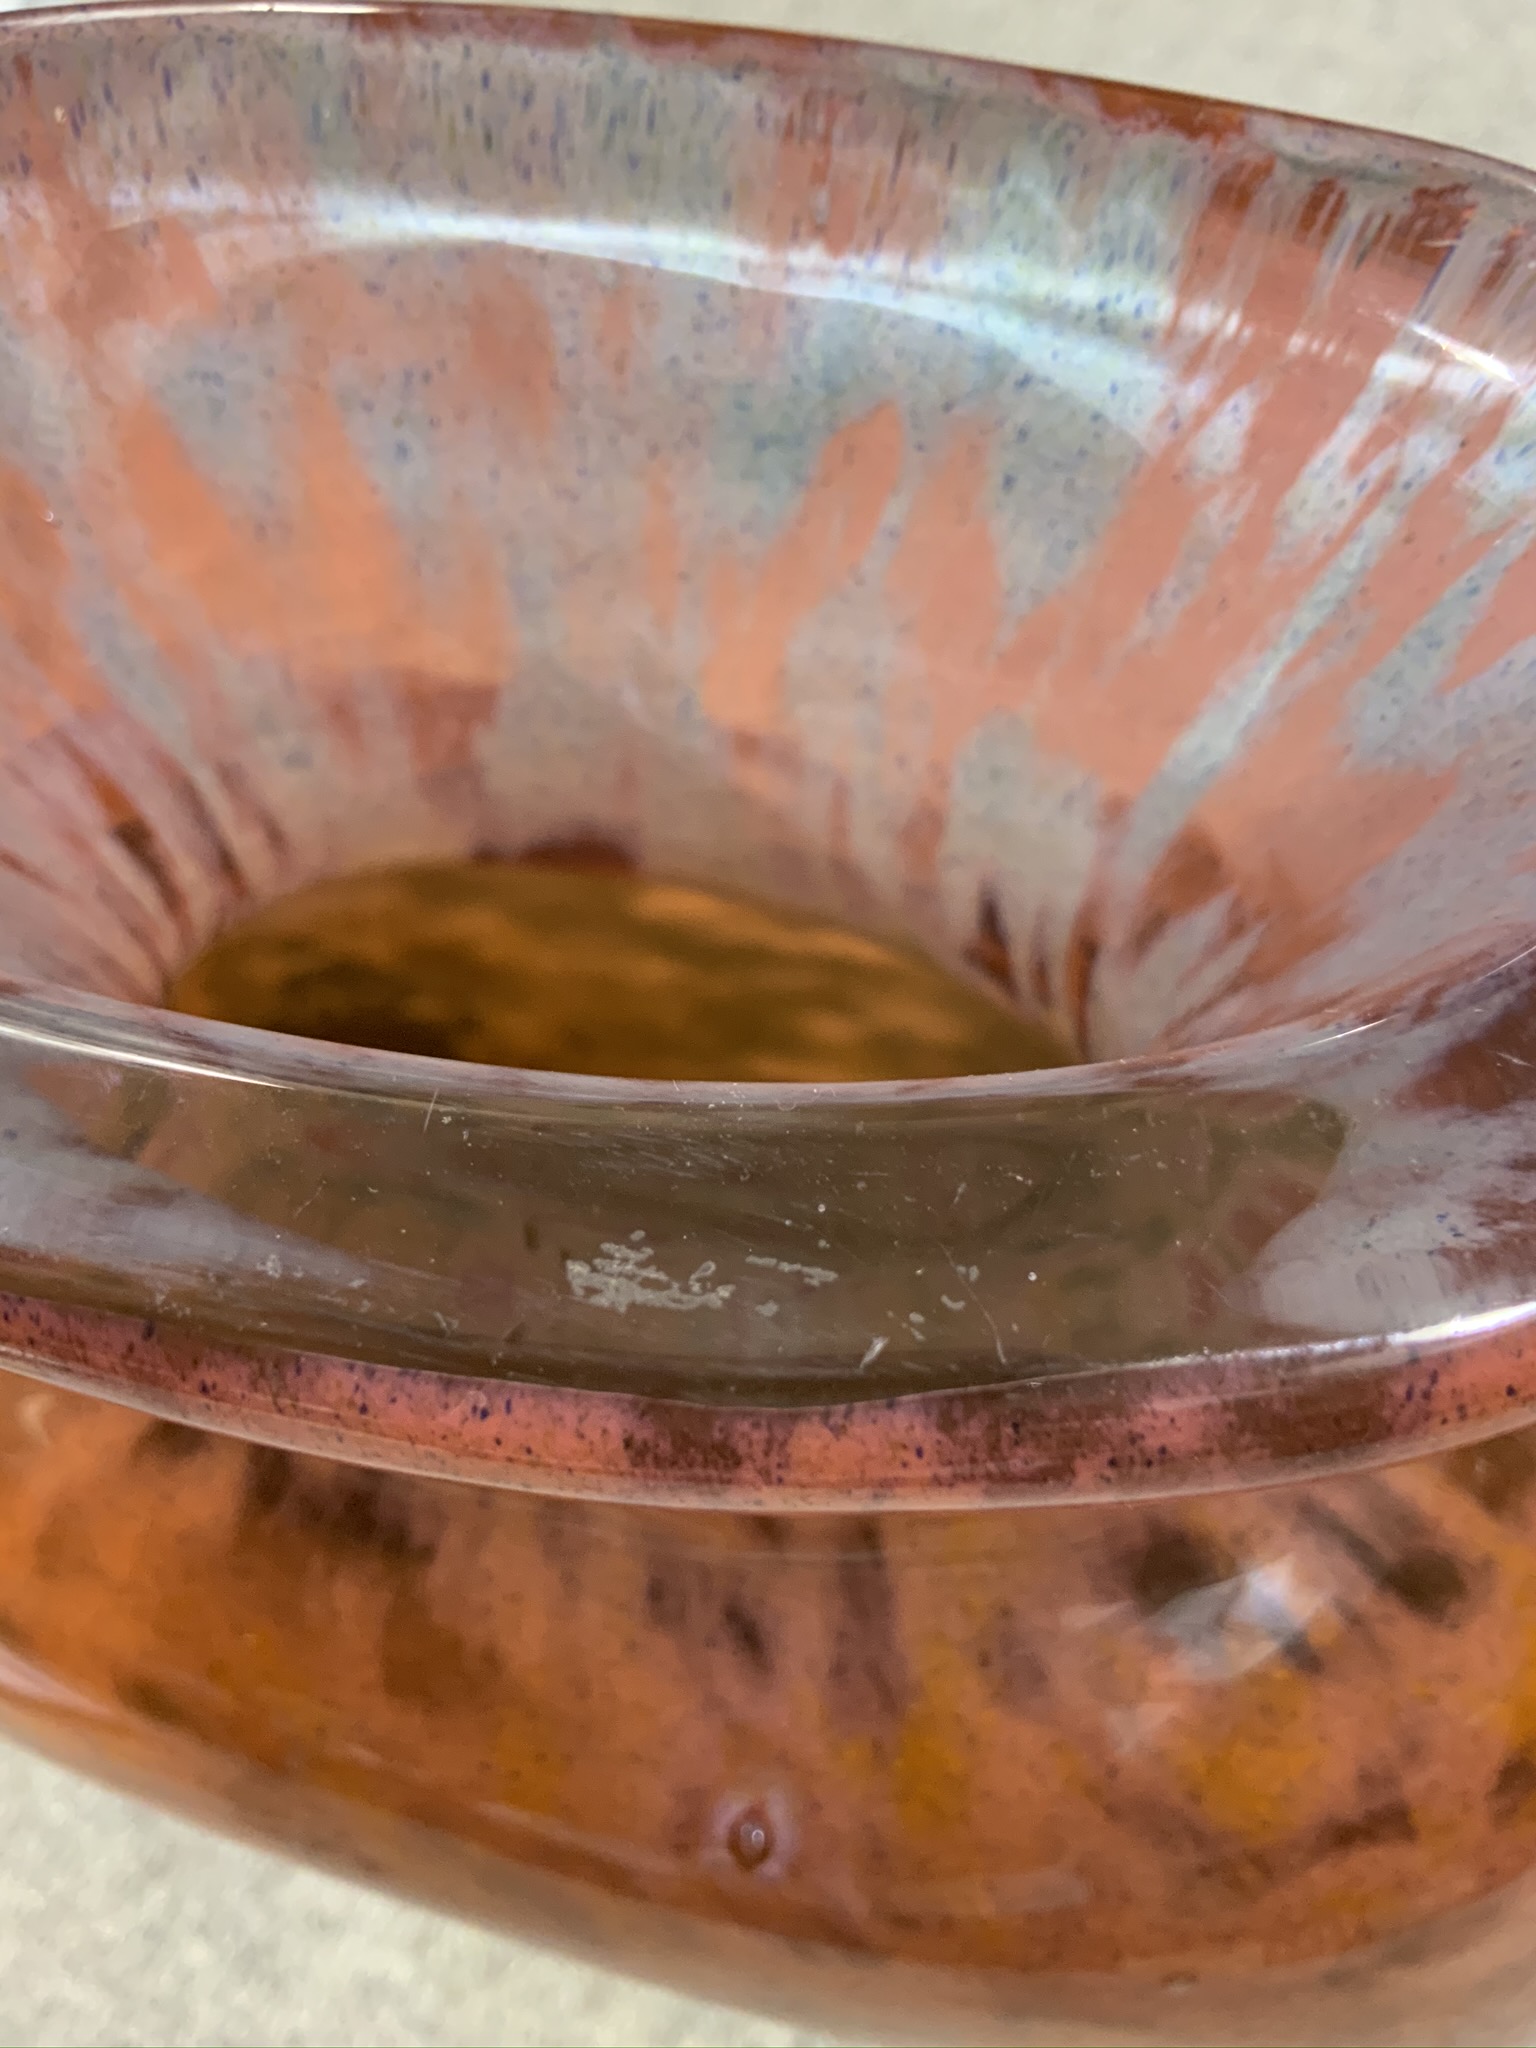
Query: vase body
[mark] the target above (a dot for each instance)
(1023, 1556)
(1251, 1766)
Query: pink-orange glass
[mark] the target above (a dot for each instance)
(1041, 1556)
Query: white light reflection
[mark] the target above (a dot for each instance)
(1484, 1323)
(1485, 368)
(1234, 1626)
(76, 1044)
(27, 1685)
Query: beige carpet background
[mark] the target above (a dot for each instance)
(119, 1926)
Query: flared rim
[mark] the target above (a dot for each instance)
(1156, 1410)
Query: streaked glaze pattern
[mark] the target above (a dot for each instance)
(904, 482)
(1082, 531)
(1257, 1766)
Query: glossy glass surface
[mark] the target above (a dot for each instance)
(1255, 1766)
(1081, 533)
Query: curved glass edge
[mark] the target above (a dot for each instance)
(1192, 1426)
(1298, 1211)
